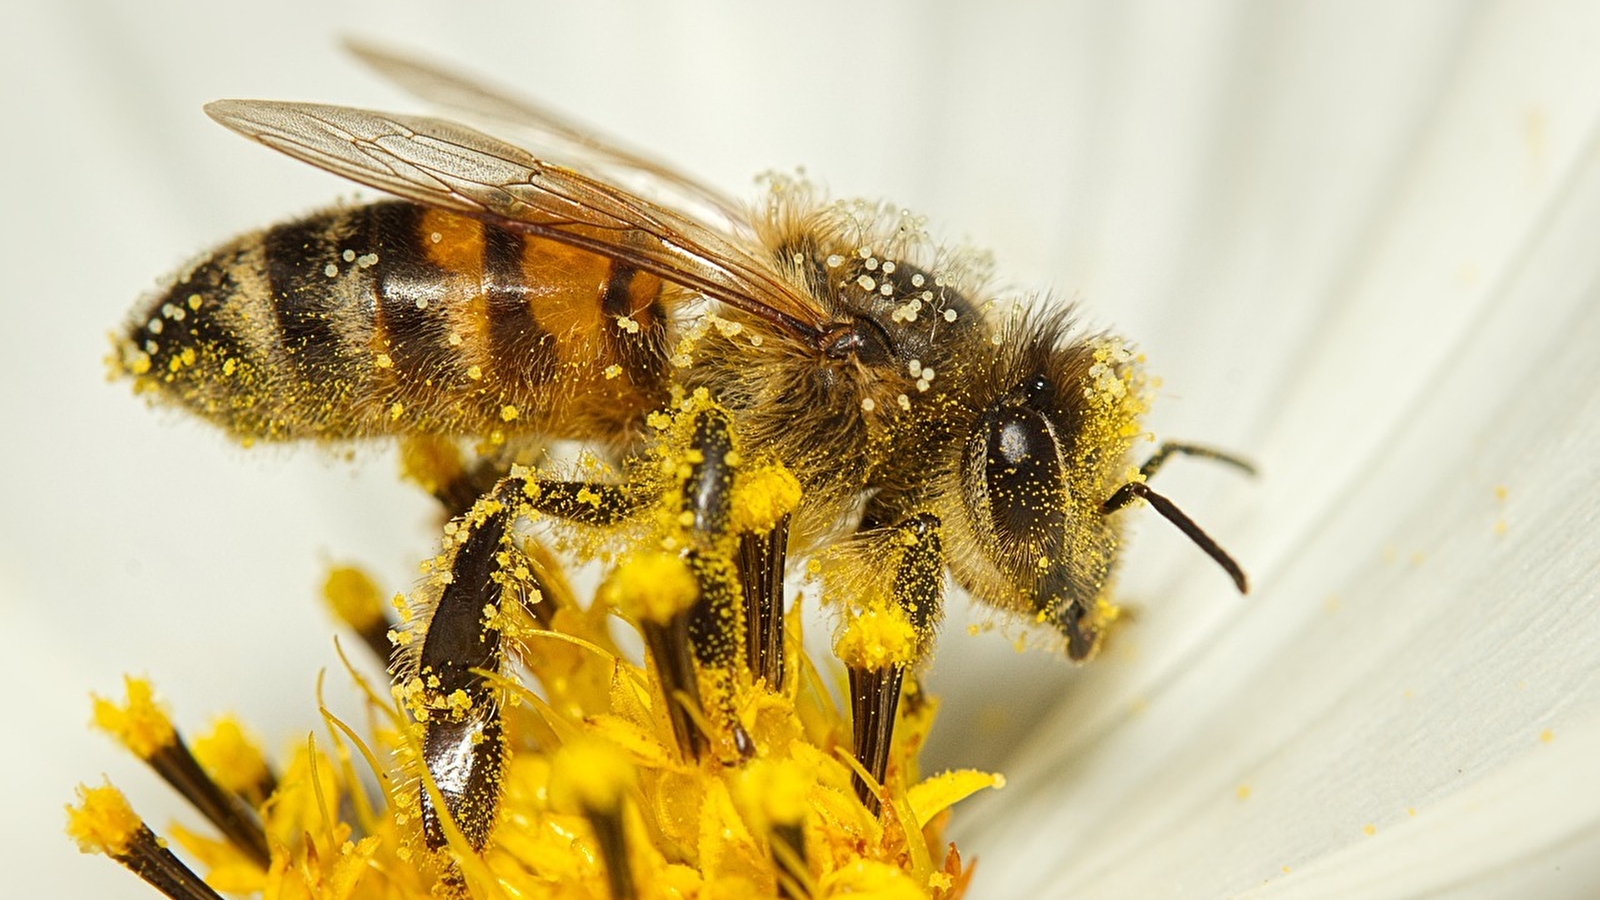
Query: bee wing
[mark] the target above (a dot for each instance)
(453, 167)
(468, 97)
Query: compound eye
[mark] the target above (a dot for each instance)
(1024, 477)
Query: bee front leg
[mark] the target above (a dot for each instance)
(881, 641)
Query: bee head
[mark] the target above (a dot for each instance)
(1047, 448)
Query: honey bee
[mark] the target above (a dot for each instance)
(923, 424)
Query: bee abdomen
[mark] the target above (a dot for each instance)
(394, 318)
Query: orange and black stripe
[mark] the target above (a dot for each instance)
(396, 318)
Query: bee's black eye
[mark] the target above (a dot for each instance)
(1023, 476)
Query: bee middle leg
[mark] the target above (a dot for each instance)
(716, 634)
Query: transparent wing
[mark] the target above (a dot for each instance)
(451, 166)
(465, 96)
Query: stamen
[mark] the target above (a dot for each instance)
(657, 590)
(147, 732)
(762, 504)
(593, 778)
(356, 601)
(235, 761)
(103, 822)
(773, 795)
(874, 698)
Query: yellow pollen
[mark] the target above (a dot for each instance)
(652, 586)
(103, 822)
(140, 725)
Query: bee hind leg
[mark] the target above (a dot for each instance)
(447, 686)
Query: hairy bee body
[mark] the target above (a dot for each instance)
(505, 298)
(392, 318)
(396, 319)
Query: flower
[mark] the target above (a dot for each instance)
(1354, 243)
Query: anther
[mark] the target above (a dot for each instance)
(103, 822)
(146, 730)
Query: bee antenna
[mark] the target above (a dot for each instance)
(1173, 514)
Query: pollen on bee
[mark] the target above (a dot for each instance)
(348, 256)
(866, 282)
(626, 323)
(868, 404)
(474, 372)
(612, 371)
(396, 410)
(949, 314)
(330, 270)
(904, 401)
(383, 361)
(834, 260)
(436, 237)
(509, 413)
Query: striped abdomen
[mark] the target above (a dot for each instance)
(396, 318)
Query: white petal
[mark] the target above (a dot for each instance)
(1399, 650)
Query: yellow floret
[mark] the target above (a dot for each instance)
(230, 757)
(353, 596)
(140, 725)
(104, 822)
(763, 497)
(775, 792)
(867, 879)
(876, 639)
(652, 586)
(589, 775)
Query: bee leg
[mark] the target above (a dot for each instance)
(877, 657)
(708, 497)
(715, 624)
(463, 745)
(584, 502)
